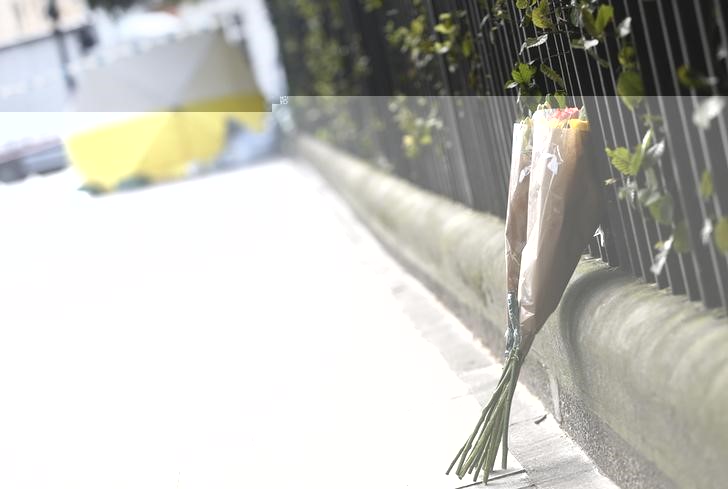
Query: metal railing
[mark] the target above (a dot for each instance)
(468, 159)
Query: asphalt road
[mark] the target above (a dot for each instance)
(221, 332)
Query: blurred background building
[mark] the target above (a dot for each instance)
(22, 21)
(44, 65)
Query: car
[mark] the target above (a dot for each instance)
(35, 157)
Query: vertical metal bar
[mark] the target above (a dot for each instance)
(687, 181)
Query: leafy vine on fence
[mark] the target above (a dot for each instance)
(587, 25)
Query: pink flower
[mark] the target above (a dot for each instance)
(565, 114)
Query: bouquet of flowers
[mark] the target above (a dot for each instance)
(553, 211)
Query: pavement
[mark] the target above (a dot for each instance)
(238, 330)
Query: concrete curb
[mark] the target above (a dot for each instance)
(637, 376)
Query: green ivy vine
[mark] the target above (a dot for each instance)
(586, 25)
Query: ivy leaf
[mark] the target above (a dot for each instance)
(630, 88)
(467, 46)
(523, 73)
(541, 15)
(707, 110)
(690, 78)
(575, 17)
(605, 14)
(681, 236)
(706, 185)
(442, 47)
(522, 4)
(588, 22)
(560, 97)
(647, 139)
(621, 160)
(627, 56)
(552, 75)
(584, 44)
(624, 28)
(635, 162)
(445, 29)
(532, 42)
(629, 163)
(661, 209)
(720, 234)
(648, 196)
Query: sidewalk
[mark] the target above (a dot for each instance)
(241, 330)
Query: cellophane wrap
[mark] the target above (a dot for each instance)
(564, 210)
(517, 211)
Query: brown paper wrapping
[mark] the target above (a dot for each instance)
(553, 211)
(564, 209)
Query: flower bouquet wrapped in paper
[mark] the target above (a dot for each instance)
(553, 211)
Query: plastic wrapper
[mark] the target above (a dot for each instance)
(564, 210)
(517, 212)
(553, 210)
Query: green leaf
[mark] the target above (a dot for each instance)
(511, 84)
(635, 162)
(627, 56)
(630, 88)
(466, 46)
(662, 209)
(445, 29)
(560, 99)
(522, 4)
(551, 74)
(541, 15)
(588, 22)
(621, 160)
(647, 140)
(523, 73)
(442, 47)
(681, 236)
(691, 78)
(605, 14)
(516, 75)
(648, 196)
(720, 234)
(706, 185)
(372, 5)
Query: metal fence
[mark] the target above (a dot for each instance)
(468, 159)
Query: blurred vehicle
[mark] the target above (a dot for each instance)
(20, 160)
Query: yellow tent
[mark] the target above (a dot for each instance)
(171, 105)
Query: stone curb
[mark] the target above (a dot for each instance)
(637, 377)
